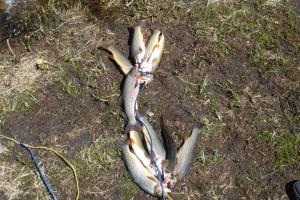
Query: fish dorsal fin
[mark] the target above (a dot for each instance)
(185, 136)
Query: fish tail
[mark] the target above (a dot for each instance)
(198, 127)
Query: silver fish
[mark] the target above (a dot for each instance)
(120, 59)
(140, 174)
(138, 148)
(153, 40)
(137, 48)
(185, 154)
(130, 93)
(154, 58)
(170, 146)
(150, 135)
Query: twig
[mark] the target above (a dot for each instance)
(128, 4)
(12, 52)
(187, 82)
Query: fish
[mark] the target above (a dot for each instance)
(150, 135)
(138, 148)
(140, 175)
(153, 40)
(186, 153)
(153, 60)
(137, 48)
(120, 59)
(130, 92)
(170, 147)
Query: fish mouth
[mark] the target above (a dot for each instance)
(161, 190)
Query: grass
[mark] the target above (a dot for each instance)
(127, 188)
(285, 147)
(22, 103)
(255, 26)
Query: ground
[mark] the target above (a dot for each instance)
(232, 65)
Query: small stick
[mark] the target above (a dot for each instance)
(12, 52)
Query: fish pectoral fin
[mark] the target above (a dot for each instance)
(153, 179)
(131, 141)
(198, 127)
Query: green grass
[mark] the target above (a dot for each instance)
(285, 146)
(255, 30)
(127, 189)
(22, 102)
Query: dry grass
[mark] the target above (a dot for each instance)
(69, 40)
(8, 185)
(273, 2)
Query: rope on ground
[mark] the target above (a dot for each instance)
(46, 183)
(27, 147)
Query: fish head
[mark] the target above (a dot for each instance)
(170, 180)
(159, 191)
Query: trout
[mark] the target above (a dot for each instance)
(137, 47)
(130, 93)
(185, 154)
(170, 146)
(120, 59)
(140, 175)
(153, 60)
(150, 135)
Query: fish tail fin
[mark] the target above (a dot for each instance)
(198, 127)
(107, 46)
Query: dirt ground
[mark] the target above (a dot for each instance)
(233, 65)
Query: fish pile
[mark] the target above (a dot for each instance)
(155, 165)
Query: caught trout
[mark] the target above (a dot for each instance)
(152, 61)
(140, 175)
(137, 47)
(153, 40)
(185, 154)
(130, 93)
(170, 146)
(138, 148)
(120, 59)
(151, 137)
